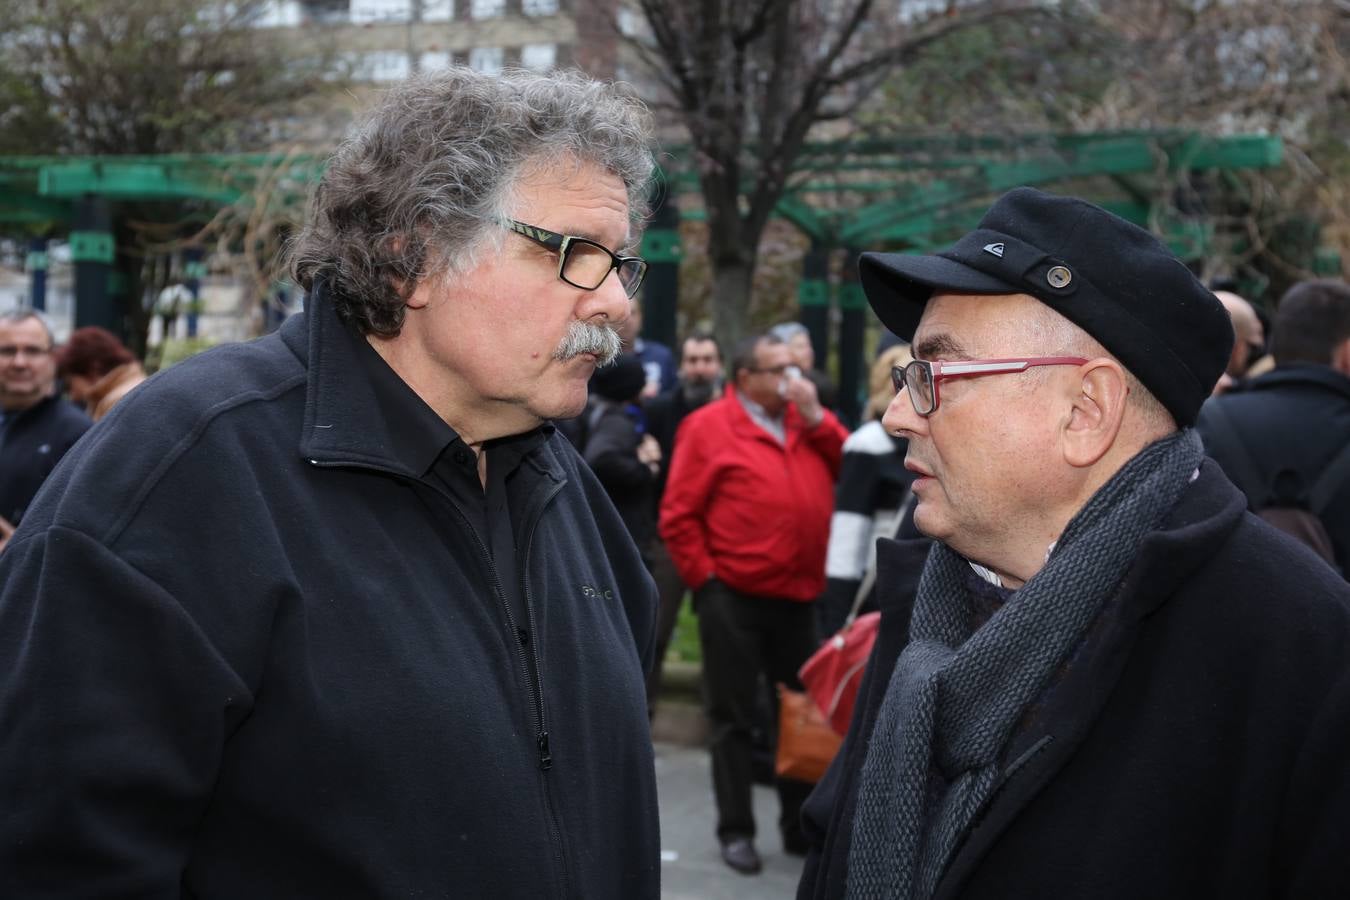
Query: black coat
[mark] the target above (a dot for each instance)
(612, 440)
(1198, 744)
(663, 414)
(31, 445)
(1297, 418)
(246, 652)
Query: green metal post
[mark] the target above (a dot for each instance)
(91, 250)
(661, 290)
(813, 300)
(194, 269)
(36, 264)
(852, 328)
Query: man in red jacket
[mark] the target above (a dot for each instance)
(746, 517)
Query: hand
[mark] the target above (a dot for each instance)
(801, 392)
(6, 530)
(649, 453)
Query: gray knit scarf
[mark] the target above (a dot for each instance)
(957, 693)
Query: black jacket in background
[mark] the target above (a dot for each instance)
(663, 414)
(1196, 745)
(31, 444)
(247, 651)
(611, 447)
(1296, 417)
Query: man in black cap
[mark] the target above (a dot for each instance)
(1090, 693)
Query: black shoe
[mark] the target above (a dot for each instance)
(739, 853)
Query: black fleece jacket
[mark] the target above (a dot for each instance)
(246, 650)
(1195, 746)
(32, 443)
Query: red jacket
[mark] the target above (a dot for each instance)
(743, 507)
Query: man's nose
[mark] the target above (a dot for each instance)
(609, 301)
(900, 417)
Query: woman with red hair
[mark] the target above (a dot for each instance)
(97, 369)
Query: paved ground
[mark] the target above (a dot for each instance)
(691, 864)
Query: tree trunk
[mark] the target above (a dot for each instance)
(732, 276)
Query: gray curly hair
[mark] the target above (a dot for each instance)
(420, 187)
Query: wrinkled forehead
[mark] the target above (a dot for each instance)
(771, 354)
(955, 326)
(29, 332)
(695, 349)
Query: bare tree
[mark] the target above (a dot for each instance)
(146, 77)
(1216, 68)
(751, 80)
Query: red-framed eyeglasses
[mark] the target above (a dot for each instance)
(922, 376)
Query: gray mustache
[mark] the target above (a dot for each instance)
(583, 337)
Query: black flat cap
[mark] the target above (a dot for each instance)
(1109, 277)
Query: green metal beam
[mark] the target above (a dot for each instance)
(849, 193)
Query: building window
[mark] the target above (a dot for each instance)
(278, 14)
(540, 57)
(368, 11)
(487, 59)
(486, 9)
(539, 7)
(381, 65)
(433, 60)
(438, 10)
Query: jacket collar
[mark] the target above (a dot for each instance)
(358, 411)
(1302, 373)
(747, 427)
(32, 412)
(112, 379)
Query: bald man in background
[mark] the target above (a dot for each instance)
(1249, 343)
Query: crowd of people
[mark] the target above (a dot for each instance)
(377, 605)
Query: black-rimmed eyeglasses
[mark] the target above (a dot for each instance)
(922, 376)
(583, 263)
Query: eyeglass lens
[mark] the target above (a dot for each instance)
(918, 378)
(587, 265)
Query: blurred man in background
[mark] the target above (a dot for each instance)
(1248, 344)
(1284, 437)
(699, 383)
(746, 517)
(37, 427)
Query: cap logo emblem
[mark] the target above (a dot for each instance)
(1059, 277)
(995, 249)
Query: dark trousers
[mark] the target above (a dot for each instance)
(743, 636)
(670, 593)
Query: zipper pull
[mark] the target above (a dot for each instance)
(545, 758)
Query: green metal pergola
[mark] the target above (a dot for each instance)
(908, 194)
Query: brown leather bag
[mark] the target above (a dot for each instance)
(806, 742)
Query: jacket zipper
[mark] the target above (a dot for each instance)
(541, 735)
(533, 685)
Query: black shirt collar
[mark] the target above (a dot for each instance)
(358, 410)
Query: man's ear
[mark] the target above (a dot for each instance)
(1097, 412)
(1340, 357)
(420, 296)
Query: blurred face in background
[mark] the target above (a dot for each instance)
(803, 354)
(764, 383)
(700, 362)
(700, 371)
(27, 364)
